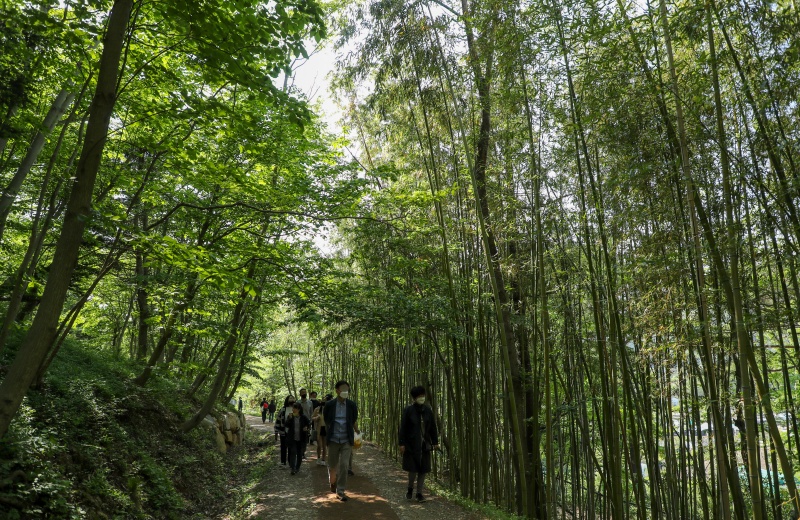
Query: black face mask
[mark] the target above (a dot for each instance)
(302, 396)
(290, 403)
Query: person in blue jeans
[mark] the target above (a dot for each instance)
(341, 416)
(297, 425)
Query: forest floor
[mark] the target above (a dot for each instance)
(376, 491)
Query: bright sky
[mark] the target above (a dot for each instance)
(311, 77)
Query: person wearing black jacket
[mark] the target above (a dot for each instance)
(280, 427)
(264, 409)
(297, 425)
(418, 437)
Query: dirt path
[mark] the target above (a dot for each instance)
(376, 491)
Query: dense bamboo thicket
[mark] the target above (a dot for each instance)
(588, 252)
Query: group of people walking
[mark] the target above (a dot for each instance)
(267, 410)
(332, 423)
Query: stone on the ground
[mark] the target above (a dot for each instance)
(211, 425)
(227, 430)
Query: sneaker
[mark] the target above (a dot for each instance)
(341, 496)
(294, 471)
(350, 472)
(283, 466)
(320, 462)
(409, 493)
(420, 498)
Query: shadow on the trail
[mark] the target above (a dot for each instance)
(354, 495)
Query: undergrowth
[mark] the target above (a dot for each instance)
(487, 510)
(91, 444)
(255, 462)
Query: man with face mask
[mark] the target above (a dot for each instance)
(305, 403)
(340, 416)
(418, 437)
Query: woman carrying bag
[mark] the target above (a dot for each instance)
(418, 437)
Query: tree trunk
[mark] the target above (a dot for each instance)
(142, 305)
(62, 101)
(201, 377)
(733, 253)
(169, 328)
(222, 370)
(12, 111)
(515, 385)
(40, 336)
(242, 361)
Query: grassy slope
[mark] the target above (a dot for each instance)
(90, 444)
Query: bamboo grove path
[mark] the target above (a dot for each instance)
(377, 491)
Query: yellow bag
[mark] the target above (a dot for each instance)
(358, 441)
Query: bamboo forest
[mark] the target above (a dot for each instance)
(575, 225)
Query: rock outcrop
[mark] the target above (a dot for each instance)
(227, 430)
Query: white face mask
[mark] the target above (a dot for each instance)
(344, 394)
(420, 400)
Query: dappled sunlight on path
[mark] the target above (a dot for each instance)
(376, 491)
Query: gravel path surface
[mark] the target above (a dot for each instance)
(376, 491)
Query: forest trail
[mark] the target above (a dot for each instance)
(377, 491)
